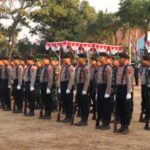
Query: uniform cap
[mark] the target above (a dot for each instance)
(83, 55)
(124, 55)
(146, 57)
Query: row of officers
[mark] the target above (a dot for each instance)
(107, 82)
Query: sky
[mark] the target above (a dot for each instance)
(110, 5)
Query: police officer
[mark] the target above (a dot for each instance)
(145, 66)
(46, 80)
(104, 80)
(136, 74)
(123, 96)
(29, 79)
(1, 64)
(6, 84)
(115, 65)
(66, 86)
(147, 102)
(93, 71)
(82, 77)
(17, 84)
(37, 84)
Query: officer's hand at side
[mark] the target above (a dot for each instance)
(59, 90)
(9, 86)
(106, 96)
(48, 91)
(128, 96)
(31, 88)
(84, 92)
(67, 91)
(18, 87)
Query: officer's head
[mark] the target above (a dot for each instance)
(16, 60)
(109, 60)
(1, 61)
(116, 59)
(30, 60)
(22, 62)
(93, 60)
(46, 59)
(146, 60)
(38, 63)
(81, 58)
(103, 58)
(124, 58)
(6, 61)
(67, 59)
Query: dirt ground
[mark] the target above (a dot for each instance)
(22, 133)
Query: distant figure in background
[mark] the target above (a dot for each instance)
(136, 74)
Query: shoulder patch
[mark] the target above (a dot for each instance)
(71, 68)
(34, 68)
(129, 70)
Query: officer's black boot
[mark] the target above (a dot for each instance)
(125, 130)
(105, 126)
(30, 114)
(120, 130)
(83, 122)
(47, 115)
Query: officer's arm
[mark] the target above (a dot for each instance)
(87, 78)
(129, 79)
(109, 79)
(50, 77)
(20, 75)
(9, 69)
(71, 79)
(33, 75)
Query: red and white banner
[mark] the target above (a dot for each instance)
(83, 47)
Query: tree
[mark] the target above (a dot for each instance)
(18, 11)
(104, 29)
(63, 19)
(135, 13)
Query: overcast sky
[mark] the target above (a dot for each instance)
(110, 5)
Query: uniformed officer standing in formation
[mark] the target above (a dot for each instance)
(46, 80)
(147, 102)
(6, 84)
(82, 78)
(115, 65)
(123, 96)
(17, 85)
(145, 66)
(29, 81)
(93, 71)
(114, 78)
(66, 87)
(104, 81)
(1, 65)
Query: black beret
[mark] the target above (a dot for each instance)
(30, 58)
(93, 58)
(146, 57)
(66, 55)
(124, 55)
(16, 57)
(83, 55)
(5, 58)
(102, 54)
(46, 56)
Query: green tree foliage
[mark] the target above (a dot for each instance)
(63, 19)
(135, 13)
(17, 11)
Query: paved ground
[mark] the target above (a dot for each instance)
(22, 133)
